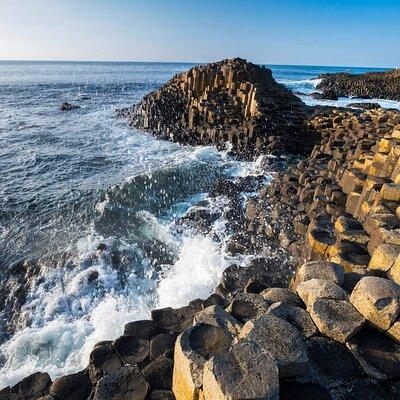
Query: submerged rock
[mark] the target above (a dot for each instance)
(68, 107)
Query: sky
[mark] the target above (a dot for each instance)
(301, 32)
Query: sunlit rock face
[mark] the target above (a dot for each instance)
(231, 101)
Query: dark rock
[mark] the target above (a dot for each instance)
(378, 85)
(174, 320)
(366, 389)
(161, 343)
(378, 355)
(331, 364)
(302, 391)
(214, 299)
(71, 387)
(161, 395)
(131, 350)
(125, 384)
(33, 386)
(68, 107)
(144, 329)
(159, 373)
(325, 95)
(365, 106)
(246, 306)
(103, 360)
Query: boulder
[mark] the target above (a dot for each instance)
(174, 320)
(319, 270)
(366, 389)
(296, 316)
(144, 329)
(331, 364)
(246, 306)
(125, 384)
(246, 371)
(68, 106)
(192, 350)
(275, 295)
(71, 387)
(131, 350)
(281, 339)
(377, 300)
(314, 289)
(378, 355)
(103, 360)
(217, 316)
(159, 373)
(161, 344)
(33, 386)
(336, 319)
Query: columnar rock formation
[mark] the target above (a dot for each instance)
(332, 333)
(229, 101)
(378, 85)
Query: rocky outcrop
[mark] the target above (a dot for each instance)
(231, 101)
(332, 332)
(372, 85)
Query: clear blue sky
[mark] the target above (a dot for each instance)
(313, 32)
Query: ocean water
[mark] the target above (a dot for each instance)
(93, 205)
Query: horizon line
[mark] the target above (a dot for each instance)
(186, 62)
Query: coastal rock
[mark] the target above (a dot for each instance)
(378, 300)
(159, 373)
(378, 85)
(314, 289)
(144, 329)
(103, 360)
(192, 350)
(246, 306)
(336, 319)
(32, 387)
(162, 395)
(328, 94)
(126, 384)
(71, 387)
(131, 350)
(318, 270)
(281, 339)
(246, 371)
(365, 106)
(275, 295)
(296, 316)
(228, 101)
(68, 107)
(378, 355)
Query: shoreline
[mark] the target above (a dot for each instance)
(312, 210)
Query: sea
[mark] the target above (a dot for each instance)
(90, 208)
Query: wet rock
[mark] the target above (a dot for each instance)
(282, 340)
(131, 350)
(33, 386)
(126, 384)
(162, 343)
(275, 295)
(296, 316)
(68, 107)
(365, 106)
(71, 387)
(159, 373)
(192, 350)
(336, 319)
(378, 355)
(144, 329)
(246, 371)
(103, 360)
(331, 364)
(215, 299)
(378, 300)
(174, 320)
(325, 95)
